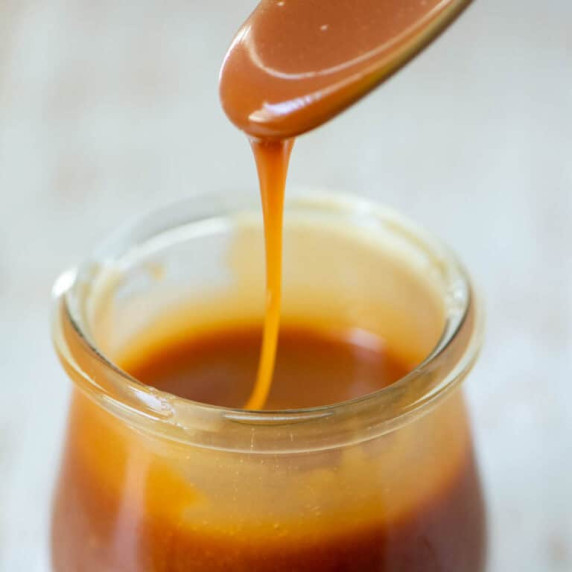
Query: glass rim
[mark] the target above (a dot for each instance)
(289, 430)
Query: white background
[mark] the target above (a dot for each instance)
(109, 108)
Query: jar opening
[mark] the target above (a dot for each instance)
(86, 357)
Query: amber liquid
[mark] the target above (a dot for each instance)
(313, 367)
(272, 165)
(118, 508)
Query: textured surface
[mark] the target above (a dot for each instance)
(109, 108)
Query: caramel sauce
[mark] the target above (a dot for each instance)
(272, 165)
(314, 367)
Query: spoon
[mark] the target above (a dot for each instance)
(295, 64)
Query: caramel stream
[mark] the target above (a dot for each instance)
(272, 164)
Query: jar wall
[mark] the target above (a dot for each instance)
(407, 500)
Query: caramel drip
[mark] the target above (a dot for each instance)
(272, 159)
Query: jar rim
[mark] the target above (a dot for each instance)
(179, 419)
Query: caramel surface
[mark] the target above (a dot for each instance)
(313, 367)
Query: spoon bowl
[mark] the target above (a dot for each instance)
(295, 64)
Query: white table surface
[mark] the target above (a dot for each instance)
(109, 108)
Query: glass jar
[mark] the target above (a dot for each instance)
(387, 481)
